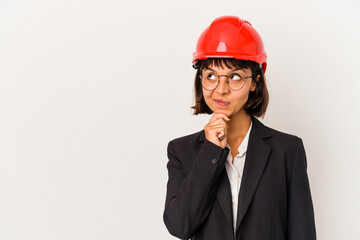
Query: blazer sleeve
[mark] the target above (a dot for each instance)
(301, 222)
(189, 198)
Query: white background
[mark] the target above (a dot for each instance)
(91, 92)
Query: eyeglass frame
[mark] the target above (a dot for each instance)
(227, 81)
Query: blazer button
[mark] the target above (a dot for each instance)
(214, 160)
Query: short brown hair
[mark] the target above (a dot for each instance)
(258, 100)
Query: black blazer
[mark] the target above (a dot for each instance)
(274, 201)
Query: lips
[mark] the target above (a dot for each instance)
(221, 101)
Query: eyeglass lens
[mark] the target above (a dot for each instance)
(211, 80)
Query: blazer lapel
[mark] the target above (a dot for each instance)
(256, 158)
(224, 196)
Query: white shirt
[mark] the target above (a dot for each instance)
(235, 171)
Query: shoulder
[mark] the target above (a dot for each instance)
(285, 141)
(264, 131)
(186, 144)
(187, 139)
(286, 146)
(283, 136)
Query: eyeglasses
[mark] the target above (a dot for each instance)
(210, 81)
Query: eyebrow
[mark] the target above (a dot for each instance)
(237, 68)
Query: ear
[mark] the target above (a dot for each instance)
(253, 84)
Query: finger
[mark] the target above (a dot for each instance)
(223, 115)
(219, 122)
(216, 116)
(223, 131)
(221, 135)
(216, 130)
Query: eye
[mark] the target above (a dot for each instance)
(210, 76)
(235, 76)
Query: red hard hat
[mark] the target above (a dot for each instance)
(230, 37)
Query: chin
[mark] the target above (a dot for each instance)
(222, 110)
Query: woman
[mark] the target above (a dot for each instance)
(236, 178)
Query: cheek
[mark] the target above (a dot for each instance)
(241, 98)
(206, 98)
(206, 95)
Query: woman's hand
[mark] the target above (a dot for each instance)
(216, 129)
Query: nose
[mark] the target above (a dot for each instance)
(222, 86)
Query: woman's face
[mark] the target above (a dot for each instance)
(235, 100)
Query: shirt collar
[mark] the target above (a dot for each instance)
(243, 146)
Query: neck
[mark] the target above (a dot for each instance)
(238, 126)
